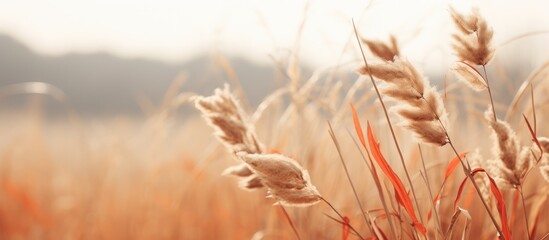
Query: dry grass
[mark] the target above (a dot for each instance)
(161, 178)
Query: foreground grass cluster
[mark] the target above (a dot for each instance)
(389, 157)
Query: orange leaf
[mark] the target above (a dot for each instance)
(358, 128)
(460, 190)
(400, 190)
(360, 134)
(449, 170)
(453, 164)
(501, 205)
(499, 199)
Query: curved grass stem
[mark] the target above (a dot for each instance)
(390, 126)
(342, 218)
(291, 222)
(524, 211)
(489, 92)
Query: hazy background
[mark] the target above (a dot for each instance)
(111, 57)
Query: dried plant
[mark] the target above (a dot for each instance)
(512, 161)
(387, 52)
(226, 116)
(470, 76)
(472, 43)
(476, 161)
(419, 104)
(285, 179)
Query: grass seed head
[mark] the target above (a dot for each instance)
(285, 179)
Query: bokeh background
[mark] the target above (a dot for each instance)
(112, 57)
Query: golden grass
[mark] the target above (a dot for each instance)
(160, 178)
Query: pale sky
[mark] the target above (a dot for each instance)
(177, 30)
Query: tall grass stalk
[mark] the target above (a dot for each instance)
(390, 124)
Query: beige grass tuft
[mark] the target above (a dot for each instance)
(419, 104)
(387, 52)
(476, 161)
(226, 116)
(223, 112)
(470, 76)
(286, 180)
(512, 161)
(472, 43)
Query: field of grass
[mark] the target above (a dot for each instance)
(161, 177)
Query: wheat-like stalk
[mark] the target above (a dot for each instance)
(511, 160)
(419, 104)
(285, 179)
(224, 113)
(472, 43)
(380, 49)
(470, 76)
(476, 161)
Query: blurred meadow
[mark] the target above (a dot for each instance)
(126, 120)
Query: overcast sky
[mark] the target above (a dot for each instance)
(178, 30)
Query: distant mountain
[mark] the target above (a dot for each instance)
(100, 83)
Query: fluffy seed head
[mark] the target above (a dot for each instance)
(476, 161)
(507, 146)
(511, 161)
(226, 116)
(223, 112)
(427, 131)
(466, 24)
(240, 170)
(286, 180)
(387, 52)
(470, 76)
(419, 104)
(472, 43)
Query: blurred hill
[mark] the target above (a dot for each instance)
(104, 84)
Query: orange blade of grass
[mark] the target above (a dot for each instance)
(460, 191)
(449, 170)
(346, 229)
(400, 190)
(499, 199)
(360, 133)
(358, 128)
